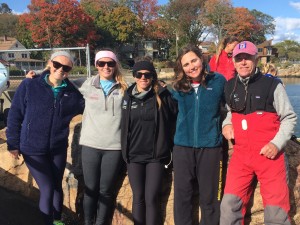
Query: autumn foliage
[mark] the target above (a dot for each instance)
(103, 23)
(61, 24)
(243, 24)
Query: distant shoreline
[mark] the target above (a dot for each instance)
(288, 76)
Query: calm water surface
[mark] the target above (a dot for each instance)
(292, 86)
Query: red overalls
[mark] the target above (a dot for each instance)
(252, 132)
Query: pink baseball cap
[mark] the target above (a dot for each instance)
(244, 47)
(105, 54)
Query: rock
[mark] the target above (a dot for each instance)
(293, 70)
(14, 176)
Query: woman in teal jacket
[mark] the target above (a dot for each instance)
(197, 154)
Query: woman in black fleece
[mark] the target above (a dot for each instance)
(147, 127)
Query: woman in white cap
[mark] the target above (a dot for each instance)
(38, 128)
(102, 161)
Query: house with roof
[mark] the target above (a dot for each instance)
(266, 51)
(11, 54)
(208, 49)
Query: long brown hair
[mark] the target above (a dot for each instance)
(222, 45)
(182, 81)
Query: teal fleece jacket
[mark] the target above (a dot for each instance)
(199, 117)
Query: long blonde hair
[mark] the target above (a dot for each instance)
(119, 77)
(269, 68)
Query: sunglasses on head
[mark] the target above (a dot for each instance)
(109, 63)
(58, 65)
(139, 75)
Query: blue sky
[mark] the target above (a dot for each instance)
(285, 12)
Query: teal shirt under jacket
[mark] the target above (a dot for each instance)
(199, 118)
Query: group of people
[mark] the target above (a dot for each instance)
(145, 126)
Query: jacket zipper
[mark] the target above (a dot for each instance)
(113, 105)
(196, 116)
(107, 96)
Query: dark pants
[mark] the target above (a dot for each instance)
(204, 166)
(102, 169)
(146, 182)
(48, 171)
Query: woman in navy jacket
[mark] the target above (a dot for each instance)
(197, 154)
(38, 128)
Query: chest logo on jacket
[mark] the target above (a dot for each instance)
(236, 98)
(94, 96)
(124, 104)
(134, 105)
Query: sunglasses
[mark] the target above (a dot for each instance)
(109, 63)
(58, 65)
(139, 75)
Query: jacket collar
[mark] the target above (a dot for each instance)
(43, 82)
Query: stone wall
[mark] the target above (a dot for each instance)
(293, 70)
(14, 176)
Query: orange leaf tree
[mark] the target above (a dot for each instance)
(61, 23)
(243, 24)
(223, 20)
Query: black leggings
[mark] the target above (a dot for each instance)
(146, 182)
(48, 171)
(203, 165)
(101, 170)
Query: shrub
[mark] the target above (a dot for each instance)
(13, 71)
(79, 70)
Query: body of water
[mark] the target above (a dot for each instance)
(292, 86)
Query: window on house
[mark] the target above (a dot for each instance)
(24, 55)
(17, 45)
(260, 50)
(11, 55)
(148, 45)
(269, 52)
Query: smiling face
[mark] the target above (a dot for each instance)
(107, 70)
(192, 65)
(245, 64)
(142, 82)
(57, 66)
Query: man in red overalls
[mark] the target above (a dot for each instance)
(260, 121)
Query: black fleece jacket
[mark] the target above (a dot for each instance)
(146, 130)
